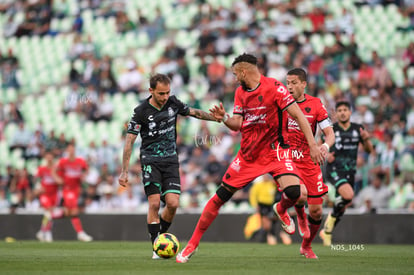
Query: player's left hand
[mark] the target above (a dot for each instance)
(324, 150)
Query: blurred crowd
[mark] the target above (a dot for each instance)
(384, 107)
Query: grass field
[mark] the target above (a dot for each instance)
(30, 257)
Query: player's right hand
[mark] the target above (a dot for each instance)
(123, 179)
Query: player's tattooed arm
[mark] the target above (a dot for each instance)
(126, 156)
(200, 114)
(129, 144)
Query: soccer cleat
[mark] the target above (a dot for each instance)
(308, 252)
(329, 224)
(155, 256)
(83, 237)
(185, 255)
(48, 236)
(287, 222)
(326, 237)
(303, 227)
(40, 236)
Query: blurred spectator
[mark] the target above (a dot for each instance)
(408, 58)
(104, 108)
(130, 80)
(77, 25)
(35, 147)
(375, 196)
(123, 23)
(21, 138)
(13, 113)
(72, 101)
(10, 27)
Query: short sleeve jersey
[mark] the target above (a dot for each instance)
(158, 129)
(46, 180)
(263, 120)
(316, 113)
(71, 171)
(345, 148)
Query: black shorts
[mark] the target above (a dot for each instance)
(338, 178)
(265, 210)
(161, 178)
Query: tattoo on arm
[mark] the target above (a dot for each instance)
(197, 113)
(129, 144)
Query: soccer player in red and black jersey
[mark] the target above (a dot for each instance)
(258, 113)
(72, 169)
(49, 181)
(310, 173)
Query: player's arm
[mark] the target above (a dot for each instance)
(296, 113)
(200, 114)
(55, 175)
(126, 156)
(232, 122)
(329, 140)
(366, 141)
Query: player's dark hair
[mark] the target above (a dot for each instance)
(342, 103)
(159, 78)
(245, 58)
(299, 72)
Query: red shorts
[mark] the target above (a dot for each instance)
(70, 198)
(240, 172)
(48, 200)
(311, 176)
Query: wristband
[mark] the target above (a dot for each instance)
(226, 117)
(326, 145)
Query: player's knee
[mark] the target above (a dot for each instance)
(316, 214)
(154, 205)
(292, 192)
(173, 204)
(223, 193)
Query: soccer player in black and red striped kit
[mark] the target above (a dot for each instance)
(258, 113)
(310, 173)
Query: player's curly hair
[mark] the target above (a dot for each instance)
(245, 57)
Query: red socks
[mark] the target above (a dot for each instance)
(209, 214)
(76, 223)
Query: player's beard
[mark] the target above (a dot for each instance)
(244, 85)
(344, 120)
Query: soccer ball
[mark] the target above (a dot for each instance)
(166, 245)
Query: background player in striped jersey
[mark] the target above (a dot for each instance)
(311, 174)
(341, 164)
(258, 113)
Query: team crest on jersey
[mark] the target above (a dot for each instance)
(170, 112)
(260, 98)
(152, 125)
(307, 109)
(137, 127)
